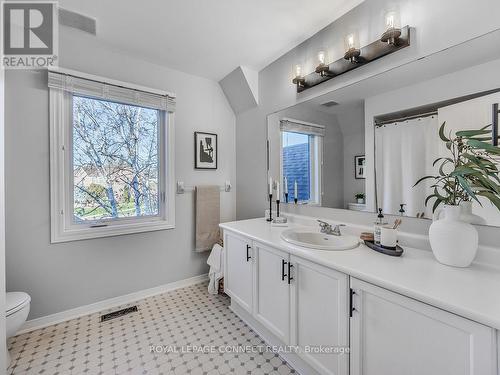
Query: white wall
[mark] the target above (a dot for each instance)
(352, 124)
(2, 222)
(67, 275)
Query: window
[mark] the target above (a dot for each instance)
(301, 159)
(111, 159)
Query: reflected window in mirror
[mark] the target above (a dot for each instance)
(301, 165)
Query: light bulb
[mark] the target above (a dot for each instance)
(392, 20)
(321, 57)
(298, 70)
(350, 41)
(351, 44)
(389, 21)
(298, 75)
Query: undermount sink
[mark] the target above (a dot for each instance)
(319, 241)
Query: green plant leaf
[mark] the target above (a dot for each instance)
(429, 198)
(471, 133)
(484, 146)
(436, 204)
(450, 160)
(422, 179)
(491, 197)
(441, 133)
(467, 188)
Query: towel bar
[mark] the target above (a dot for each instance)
(181, 189)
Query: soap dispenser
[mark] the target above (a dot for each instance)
(378, 225)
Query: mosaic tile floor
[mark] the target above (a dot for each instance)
(192, 333)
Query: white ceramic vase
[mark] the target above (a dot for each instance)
(453, 241)
(467, 215)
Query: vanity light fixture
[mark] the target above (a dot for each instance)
(298, 77)
(352, 48)
(323, 69)
(355, 56)
(393, 31)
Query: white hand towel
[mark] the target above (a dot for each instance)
(216, 272)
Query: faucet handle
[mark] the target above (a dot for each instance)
(336, 230)
(323, 224)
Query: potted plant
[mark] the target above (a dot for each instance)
(360, 198)
(469, 171)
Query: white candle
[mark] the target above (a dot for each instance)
(296, 196)
(286, 186)
(278, 197)
(270, 185)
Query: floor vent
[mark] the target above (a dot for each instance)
(118, 313)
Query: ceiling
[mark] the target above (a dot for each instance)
(209, 38)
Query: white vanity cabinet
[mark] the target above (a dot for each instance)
(320, 315)
(394, 335)
(238, 278)
(271, 290)
(294, 301)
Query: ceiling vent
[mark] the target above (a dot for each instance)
(329, 104)
(77, 21)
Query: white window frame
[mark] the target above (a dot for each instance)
(316, 169)
(63, 227)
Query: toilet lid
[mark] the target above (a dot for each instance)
(14, 301)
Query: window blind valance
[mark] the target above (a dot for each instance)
(297, 126)
(110, 91)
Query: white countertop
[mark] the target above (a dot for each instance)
(473, 292)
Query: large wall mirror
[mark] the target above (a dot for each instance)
(318, 149)
(365, 146)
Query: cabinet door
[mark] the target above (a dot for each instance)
(396, 335)
(320, 316)
(271, 291)
(238, 275)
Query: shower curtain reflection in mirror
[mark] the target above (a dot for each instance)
(404, 152)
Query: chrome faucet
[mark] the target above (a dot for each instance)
(327, 228)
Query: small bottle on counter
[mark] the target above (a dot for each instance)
(377, 227)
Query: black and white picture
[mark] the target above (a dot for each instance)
(359, 166)
(205, 148)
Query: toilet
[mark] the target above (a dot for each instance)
(17, 306)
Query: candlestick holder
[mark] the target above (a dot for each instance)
(270, 218)
(286, 197)
(278, 219)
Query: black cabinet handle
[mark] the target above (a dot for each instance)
(290, 278)
(283, 274)
(351, 306)
(248, 254)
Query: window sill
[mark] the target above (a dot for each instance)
(68, 235)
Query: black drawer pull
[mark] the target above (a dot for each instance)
(290, 278)
(248, 254)
(283, 274)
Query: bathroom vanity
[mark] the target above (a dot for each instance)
(408, 315)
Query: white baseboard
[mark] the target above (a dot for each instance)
(110, 303)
